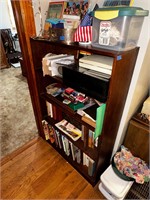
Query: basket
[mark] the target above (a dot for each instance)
(118, 173)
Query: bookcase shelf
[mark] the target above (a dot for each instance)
(91, 152)
(122, 70)
(79, 167)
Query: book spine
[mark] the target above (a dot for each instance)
(72, 150)
(91, 167)
(91, 139)
(59, 139)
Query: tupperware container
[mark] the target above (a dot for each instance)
(117, 28)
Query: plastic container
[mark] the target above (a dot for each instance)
(117, 28)
(112, 186)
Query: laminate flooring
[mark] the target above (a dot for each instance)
(37, 171)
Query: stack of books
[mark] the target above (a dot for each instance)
(97, 66)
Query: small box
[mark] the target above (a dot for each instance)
(117, 28)
(76, 106)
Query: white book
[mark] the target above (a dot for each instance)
(72, 150)
(59, 139)
(91, 167)
(71, 17)
(49, 109)
(98, 74)
(98, 60)
(96, 68)
(67, 146)
(63, 142)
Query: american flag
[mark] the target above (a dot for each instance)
(87, 20)
(84, 31)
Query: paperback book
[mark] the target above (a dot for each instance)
(69, 129)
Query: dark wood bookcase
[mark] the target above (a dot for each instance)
(122, 70)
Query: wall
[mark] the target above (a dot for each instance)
(140, 83)
(40, 14)
(6, 16)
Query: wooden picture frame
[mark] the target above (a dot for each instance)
(55, 10)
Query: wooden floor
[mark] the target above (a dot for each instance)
(37, 171)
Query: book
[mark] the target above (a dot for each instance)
(51, 134)
(96, 68)
(69, 129)
(59, 139)
(49, 109)
(91, 167)
(45, 129)
(96, 74)
(90, 112)
(89, 121)
(65, 143)
(88, 104)
(98, 61)
(69, 16)
(99, 120)
(72, 150)
(77, 154)
(85, 135)
(85, 160)
(91, 139)
(54, 112)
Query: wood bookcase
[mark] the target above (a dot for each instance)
(123, 66)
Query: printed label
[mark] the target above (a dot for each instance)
(104, 32)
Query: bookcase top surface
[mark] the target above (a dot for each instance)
(84, 47)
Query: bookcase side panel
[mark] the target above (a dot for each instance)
(120, 81)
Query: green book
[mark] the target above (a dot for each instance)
(99, 120)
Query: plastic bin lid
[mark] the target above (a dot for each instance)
(114, 184)
(113, 12)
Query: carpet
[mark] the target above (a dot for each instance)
(17, 119)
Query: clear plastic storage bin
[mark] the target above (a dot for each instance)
(117, 28)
